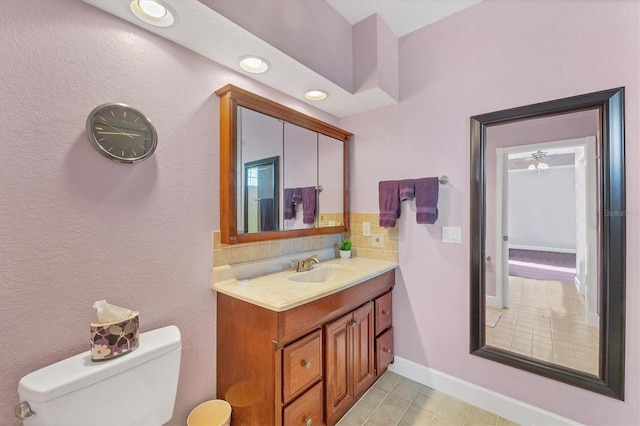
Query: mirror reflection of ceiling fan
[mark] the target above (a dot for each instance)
(538, 161)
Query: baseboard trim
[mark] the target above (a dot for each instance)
(502, 405)
(494, 301)
(538, 248)
(593, 319)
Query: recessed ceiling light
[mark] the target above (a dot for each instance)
(316, 95)
(152, 12)
(152, 8)
(254, 64)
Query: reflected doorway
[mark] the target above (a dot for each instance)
(546, 304)
(261, 205)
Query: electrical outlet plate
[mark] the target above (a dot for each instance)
(377, 240)
(366, 229)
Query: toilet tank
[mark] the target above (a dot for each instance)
(136, 389)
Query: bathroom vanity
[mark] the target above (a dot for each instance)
(296, 349)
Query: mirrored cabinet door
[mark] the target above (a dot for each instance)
(260, 154)
(300, 177)
(330, 182)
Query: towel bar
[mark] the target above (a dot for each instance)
(443, 180)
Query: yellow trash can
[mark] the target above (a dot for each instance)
(210, 413)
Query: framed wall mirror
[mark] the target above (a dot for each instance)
(548, 239)
(283, 174)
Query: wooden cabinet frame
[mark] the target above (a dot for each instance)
(231, 97)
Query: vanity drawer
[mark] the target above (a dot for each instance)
(302, 365)
(384, 315)
(306, 410)
(384, 351)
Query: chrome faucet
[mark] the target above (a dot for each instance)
(306, 264)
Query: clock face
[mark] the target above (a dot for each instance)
(121, 133)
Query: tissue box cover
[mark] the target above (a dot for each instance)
(114, 339)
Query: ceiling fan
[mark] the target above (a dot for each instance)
(538, 161)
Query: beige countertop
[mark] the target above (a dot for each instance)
(281, 291)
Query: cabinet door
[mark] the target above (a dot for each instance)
(337, 365)
(362, 341)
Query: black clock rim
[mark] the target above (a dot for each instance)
(94, 142)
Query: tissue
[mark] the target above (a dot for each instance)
(115, 333)
(108, 313)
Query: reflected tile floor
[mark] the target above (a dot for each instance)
(396, 400)
(546, 320)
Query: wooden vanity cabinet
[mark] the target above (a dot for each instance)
(304, 366)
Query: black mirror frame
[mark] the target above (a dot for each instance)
(610, 103)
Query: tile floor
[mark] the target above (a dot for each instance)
(396, 400)
(546, 321)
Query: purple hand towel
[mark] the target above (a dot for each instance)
(407, 189)
(289, 211)
(389, 203)
(309, 204)
(427, 200)
(297, 196)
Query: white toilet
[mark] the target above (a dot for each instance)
(136, 389)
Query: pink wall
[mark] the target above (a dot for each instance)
(76, 227)
(492, 56)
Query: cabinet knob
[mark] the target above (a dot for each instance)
(385, 312)
(387, 350)
(308, 421)
(355, 323)
(306, 364)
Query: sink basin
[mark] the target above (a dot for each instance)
(322, 274)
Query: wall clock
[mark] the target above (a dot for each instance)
(121, 133)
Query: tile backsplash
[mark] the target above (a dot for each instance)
(386, 246)
(386, 249)
(227, 254)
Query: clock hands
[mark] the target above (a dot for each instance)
(130, 135)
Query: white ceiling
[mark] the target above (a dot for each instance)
(210, 34)
(402, 16)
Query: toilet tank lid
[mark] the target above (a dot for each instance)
(79, 371)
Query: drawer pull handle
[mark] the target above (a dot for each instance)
(387, 350)
(308, 421)
(306, 364)
(385, 312)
